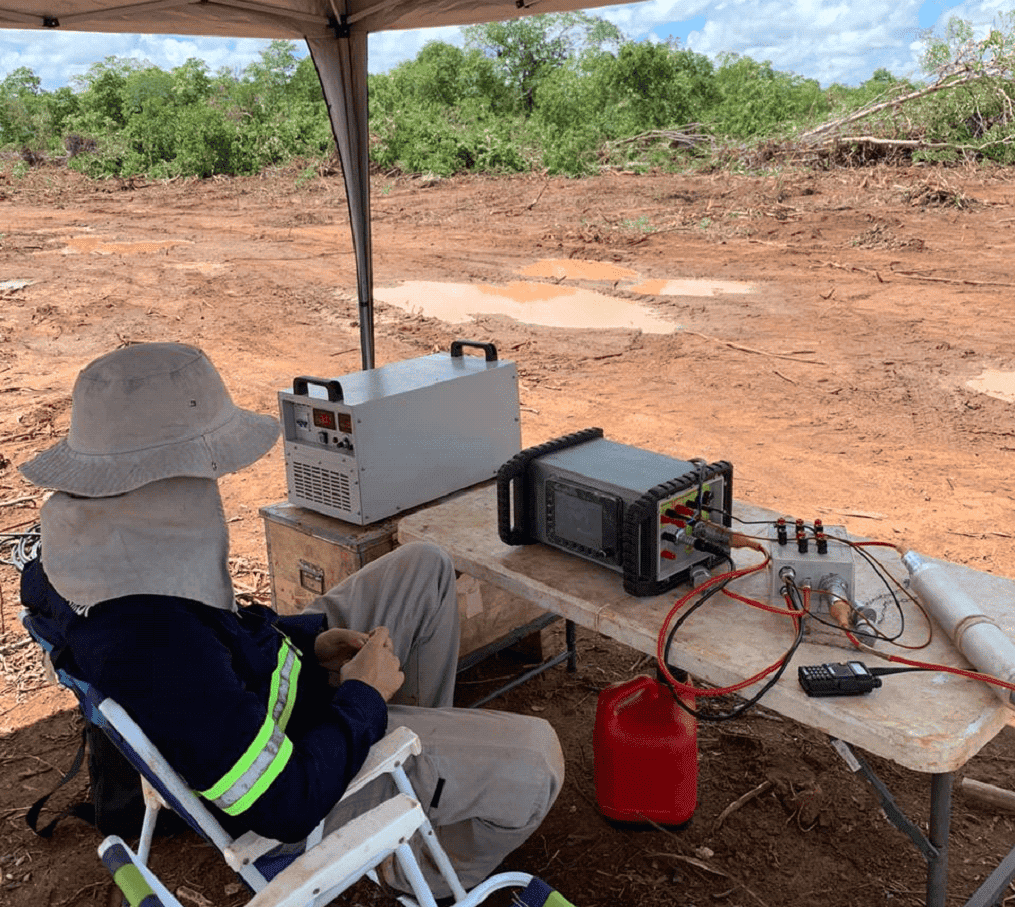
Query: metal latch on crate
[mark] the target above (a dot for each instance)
(311, 578)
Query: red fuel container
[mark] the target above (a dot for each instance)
(646, 754)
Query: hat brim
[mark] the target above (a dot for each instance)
(241, 440)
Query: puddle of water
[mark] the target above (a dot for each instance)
(204, 267)
(95, 244)
(571, 269)
(530, 303)
(692, 287)
(1000, 385)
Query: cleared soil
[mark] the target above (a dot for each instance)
(840, 388)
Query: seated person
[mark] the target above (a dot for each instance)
(266, 717)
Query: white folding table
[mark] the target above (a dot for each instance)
(928, 722)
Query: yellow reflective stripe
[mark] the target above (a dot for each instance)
(264, 780)
(285, 653)
(291, 682)
(270, 750)
(251, 777)
(243, 764)
(136, 890)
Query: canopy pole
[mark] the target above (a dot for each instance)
(342, 68)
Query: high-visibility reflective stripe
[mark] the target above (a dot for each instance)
(134, 887)
(284, 682)
(263, 780)
(270, 750)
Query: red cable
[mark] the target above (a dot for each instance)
(796, 616)
(754, 603)
(929, 666)
(972, 675)
(683, 600)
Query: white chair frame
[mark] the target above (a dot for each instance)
(328, 865)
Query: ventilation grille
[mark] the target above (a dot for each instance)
(322, 486)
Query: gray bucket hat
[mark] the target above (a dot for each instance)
(147, 412)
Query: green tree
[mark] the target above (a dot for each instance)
(61, 104)
(102, 92)
(526, 50)
(275, 68)
(305, 85)
(32, 119)
(445, 112)
(191, 83)
(601, 97)
(146, 90)
(21, 81)
(659, 86)
(969, 102)
(20, 107)
(757, 100)
(151, 115)
(442, 76)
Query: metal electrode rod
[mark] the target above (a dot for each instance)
(975, 635)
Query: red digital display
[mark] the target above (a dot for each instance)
(345, 423)
(324, 418)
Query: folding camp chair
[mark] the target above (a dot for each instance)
(309, 874)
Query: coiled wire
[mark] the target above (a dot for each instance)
(18, 548)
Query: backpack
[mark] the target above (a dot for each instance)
(115, 804)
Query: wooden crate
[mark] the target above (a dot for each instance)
(309, 552)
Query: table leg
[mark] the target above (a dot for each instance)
(940, 821)
(572, 647)
(934, 845)
(570, 655)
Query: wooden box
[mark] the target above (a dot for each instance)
(309, 552)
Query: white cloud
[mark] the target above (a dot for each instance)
(828, 40)
(638, 19)
(388, 49)
(58, 57)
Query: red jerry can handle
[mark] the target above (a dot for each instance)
(619, 696)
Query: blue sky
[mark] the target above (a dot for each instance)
(841, 41)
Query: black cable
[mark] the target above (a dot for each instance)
(702, 466)
(749, 703)
(881, 672)
(875, 566)
(880, 572)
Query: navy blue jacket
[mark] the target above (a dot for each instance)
(196, 680)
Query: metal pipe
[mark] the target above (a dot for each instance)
(940, 820)
(974, 634)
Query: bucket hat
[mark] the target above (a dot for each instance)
(147, 412)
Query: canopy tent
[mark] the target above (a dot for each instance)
(336, 33)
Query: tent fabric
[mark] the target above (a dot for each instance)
(336, 33)
(342, 68)
(292, 19)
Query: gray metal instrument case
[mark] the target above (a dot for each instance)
(367, 445)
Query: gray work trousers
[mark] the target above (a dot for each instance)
(486, 779)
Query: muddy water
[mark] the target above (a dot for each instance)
(103, 247)
(692, 288)
(527, 302)
(995, 384)
(556, 305)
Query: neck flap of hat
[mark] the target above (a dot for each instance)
(165, 538)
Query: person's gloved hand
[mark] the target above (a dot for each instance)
(334, 648)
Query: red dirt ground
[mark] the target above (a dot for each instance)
(838, 389)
